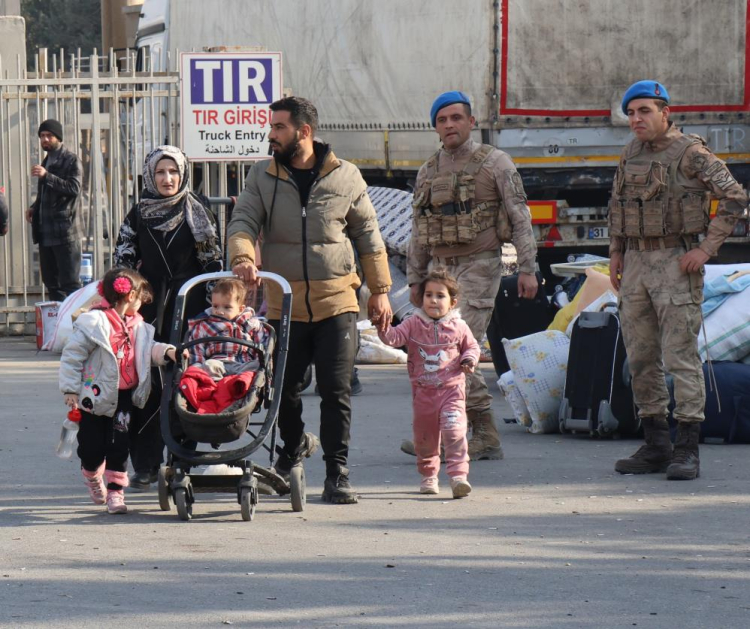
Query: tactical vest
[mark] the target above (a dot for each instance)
(444, 205)
(652, 199)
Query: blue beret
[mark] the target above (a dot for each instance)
(445, 99)
(644, 89)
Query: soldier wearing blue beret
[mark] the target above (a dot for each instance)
(661, 235)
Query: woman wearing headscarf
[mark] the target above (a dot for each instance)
(169, 236)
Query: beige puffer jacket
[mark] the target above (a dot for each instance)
(311, 247)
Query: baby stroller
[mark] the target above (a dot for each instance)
(185, 431)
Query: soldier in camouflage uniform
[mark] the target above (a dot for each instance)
(469, 200)
(661, 235)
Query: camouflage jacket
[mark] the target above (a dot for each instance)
(497, 180)
(699, 164)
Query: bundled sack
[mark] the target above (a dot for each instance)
(539, 363)
(597, 283)
(507, 385)
(394, 212)
(715, 270)
(721, 288)
(732, 424)
(727, 330)
(80, 301)
(372, 351)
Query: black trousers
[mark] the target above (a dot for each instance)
(331, 345)
(60, 266)
(146, 443)
(103, 439)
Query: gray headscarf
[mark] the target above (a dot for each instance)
(166, 213)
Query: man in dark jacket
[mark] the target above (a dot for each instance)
(54, 225)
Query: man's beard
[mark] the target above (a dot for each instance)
(285, 154)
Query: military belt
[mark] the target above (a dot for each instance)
(486, 205)
(655, 244)
(456, 260)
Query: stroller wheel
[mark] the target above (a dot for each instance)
(162, 485)
(248, 500)
(184, 507)
(298, 487)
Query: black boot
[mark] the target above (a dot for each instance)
(686, 465)
(655, 456)
(337, 489)
(141, 481)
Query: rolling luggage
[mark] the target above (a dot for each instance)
(597, 398)
(514, 317)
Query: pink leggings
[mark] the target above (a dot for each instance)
(440, 414)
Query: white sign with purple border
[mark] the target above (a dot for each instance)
(224, 99)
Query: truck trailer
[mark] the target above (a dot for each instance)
(545, 79)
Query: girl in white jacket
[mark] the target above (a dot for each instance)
(105, 370)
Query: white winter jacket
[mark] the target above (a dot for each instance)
(88, 366)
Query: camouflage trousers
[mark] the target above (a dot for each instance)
(661, 315)
(479, 281)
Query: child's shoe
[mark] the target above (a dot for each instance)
(460, 487)
(116, 497)
(116, 502)
(95, 483)
(429, 485)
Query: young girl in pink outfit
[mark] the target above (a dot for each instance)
(441, 351)
(105, 370)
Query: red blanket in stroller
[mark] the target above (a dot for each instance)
(208, 396)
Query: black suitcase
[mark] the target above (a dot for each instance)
(597, 398)
(514, 317)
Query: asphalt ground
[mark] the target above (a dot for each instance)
(550, 537)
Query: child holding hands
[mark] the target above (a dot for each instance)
(441, 350)
(105, 370)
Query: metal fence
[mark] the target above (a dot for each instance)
(113, 112)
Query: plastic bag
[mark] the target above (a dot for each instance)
(80, 301)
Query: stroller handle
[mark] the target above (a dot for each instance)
(207, 277)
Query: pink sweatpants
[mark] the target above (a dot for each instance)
(440, 414)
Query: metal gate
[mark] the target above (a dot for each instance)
(112, 112)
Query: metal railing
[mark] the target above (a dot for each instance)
(112, 115)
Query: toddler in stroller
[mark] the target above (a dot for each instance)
(218, 375)
(227, 316)
(229, 372)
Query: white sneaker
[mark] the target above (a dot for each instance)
(429, 485)
(460, 487)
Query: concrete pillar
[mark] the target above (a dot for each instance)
(10, 7)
